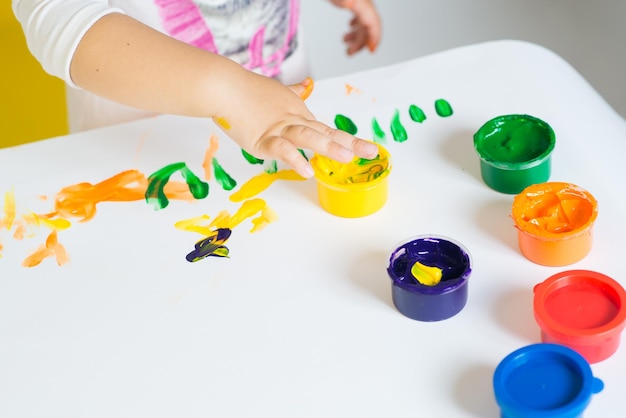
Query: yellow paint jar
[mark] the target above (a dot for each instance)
(554, 222)
(355, 189)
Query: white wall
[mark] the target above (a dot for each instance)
(589, 34)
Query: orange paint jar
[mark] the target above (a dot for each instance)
(554, 222)
(354, 189)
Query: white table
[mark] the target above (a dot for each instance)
(299, 321)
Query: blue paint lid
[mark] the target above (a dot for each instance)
(544, 380)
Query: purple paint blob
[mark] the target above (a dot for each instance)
(430, 303)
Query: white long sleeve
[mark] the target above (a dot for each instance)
(54, 28)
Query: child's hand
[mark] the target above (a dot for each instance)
(271, 121)
(365, 26)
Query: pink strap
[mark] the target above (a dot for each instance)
(183, 20)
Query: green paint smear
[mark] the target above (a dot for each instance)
(251, 158)
(417, 114)
(155, 194)
(443, 108)
(272, 167)
(379, 135)
(344, 123)
(222, 177)
(397, 129)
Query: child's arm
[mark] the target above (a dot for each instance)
(131, 63)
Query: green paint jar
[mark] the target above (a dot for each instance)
(514, 152)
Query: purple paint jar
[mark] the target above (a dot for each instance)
(429, 302)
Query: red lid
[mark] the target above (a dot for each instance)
(580, 304)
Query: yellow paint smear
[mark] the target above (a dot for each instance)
(357, 171)
(222, 122)
(248, 209)
(9, 210)
(259, 183)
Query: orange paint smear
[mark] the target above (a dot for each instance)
(80, 200)
(258, 183)
(552, 209)
(351, 89)
(208, 156)
(52, 248)
(308, 85)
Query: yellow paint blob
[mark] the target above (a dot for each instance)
(222, 122)
(426, 275)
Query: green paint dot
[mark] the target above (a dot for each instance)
(379, 135)
(251, 158)
(443, 108)
(222, 177)
(344, 123)
(397, 129)
(417, 114)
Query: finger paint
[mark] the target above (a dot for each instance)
(222, 177)
(271, 167)
(426, 275)
(351, 89)
(208, 156)
(219, 230)
(344, 123)
(210, 246)
(443, 108)
(425, 301)
(514, 152)
(155, 193)
(554, 222)
(80, 200)
(260, 182)
(417, 114)
(380, 137)
(250, 158)
(308, 85)
(360, 170)
(397, 129)
(52, 248)
(354, 189)
(222, 122)
(9, 210)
